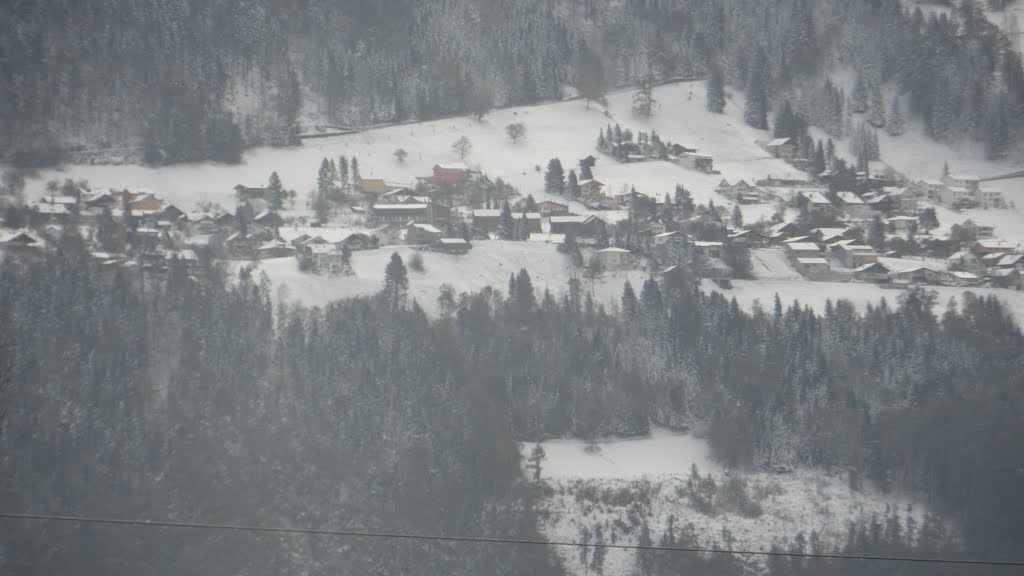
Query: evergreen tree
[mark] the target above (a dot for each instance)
(276, 191)
(859, 98)
(396, 280)
(755, 111)
(668, 210)
(819, 159)
(877, 116)
(650, 297)
(684, 200)
(343, 171)
(896, 125)
(573, 186)
(325, 179)
(737, 216)
(715, 90)
(506, 227)
(785, 122)
(354, 165)
(554, 178)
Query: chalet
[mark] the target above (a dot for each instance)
(901, 224)
(1011, 261)
(449, 174)
(275, 248)
(588, 162)
(830, 235)
(144, 203)
(740, 192)
(43, 213)
(576, 226)
(698, 162)
(853, 205)
(903, 199)
(614, 259)
(372, 186)
(928, 189)
(957, 197)
(145, 239)
(960, 278)
(244, 193)
(423, 213)
(747, 237)
(591, 189)
(668, 238)
(990, 198)
(225, 220)
(323, 257)
(172, 213)
(547, 238)
(267, 221)
(985, 247)
(100, 200)
(201, 223)
(878, 202)
(977, 230)
(971, 183)
(917, 275)
(854, 255)
(872, 272)
(708, 249)
(241, 245)
(781, 231)
(636, 202)
(964, 260)
(487, 221)
(812, 267)
(815, 204)
(451, 245)
(548, 208)
(1007, 278)
(421, 234)
(22, 244)
(784, 148)
(803, 249)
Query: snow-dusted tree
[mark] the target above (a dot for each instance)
(715, 90)
(630, 305)
(590, 80)
(554, 177)
(877, 116)
(533, 463)
(515, 131)
(573, 185)
(643, 99)
(276, 190)
(462, 147)
(896, 125)
(343, 171)
(755, 110)
(859, 98)
(396, 279)
(401, 155)
(737, 216)
(506, 227)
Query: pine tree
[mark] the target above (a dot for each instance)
(755, 111)
(650, 296)
(859, 99)
(396, 279)
(506, 227)
(896, 125)
(737, 216)
(629, 301)
(343, 171)
(668, 211)
(573, 186)
(684, 200)
(877, 116)
(276, 191)
(355, 172)
(554, 178)
(715, 90)
(785, 122)
(325, 179)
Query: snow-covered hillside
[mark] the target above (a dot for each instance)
(621, 485)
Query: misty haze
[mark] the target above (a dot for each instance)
(512, 287)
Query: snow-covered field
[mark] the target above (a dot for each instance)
(620, 484)
(566, 130)
(489, 263)
(816, 294)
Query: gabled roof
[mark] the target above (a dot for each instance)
(872, 267)
(812, 261)
(1011, 260)
(802, 246)
(779, 142)
(613, 250)
(453, 166)
(454, 241)
(849, 198)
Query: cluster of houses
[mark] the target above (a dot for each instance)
(960, 191)
(650, 147)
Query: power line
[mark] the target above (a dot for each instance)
(485, 540)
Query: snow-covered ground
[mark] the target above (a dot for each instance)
(620, 484)
(565, 130)
(816, 294)
(772, 264)
(488, 263)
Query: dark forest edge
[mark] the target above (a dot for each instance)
(150, 396)
(238, 75)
